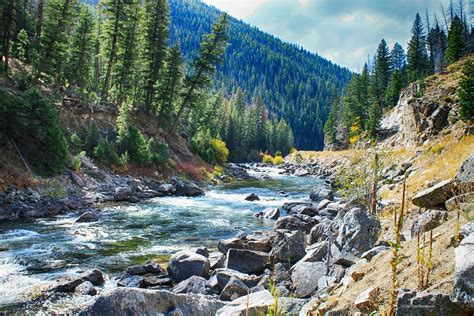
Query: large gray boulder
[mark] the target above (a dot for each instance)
(289, 248)
(436, 195)
(296, 222)
(411, 303)
(234, 289)
(427, 221)
(89, 217)
(358, 232)
(247, 261)
(316, 252)
(465, 176)
(319, 232)
(185, 263)
(290, 306)
(256, 242)
(122, 193)
(463, 287)
(221, 277)
(305, 277)
(319, 193)
(140, 302)
(249, 305)
(184, 188)
(194, 284)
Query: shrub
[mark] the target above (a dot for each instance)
(123, 159)
(159, 152)
(76, 162)
(466, 92)
(221, 152)
(76, 141)
(268, 159)
(106, 153)
(92, 138)
(137, 147)
(210, 149)
(278, 153)
(278, 160)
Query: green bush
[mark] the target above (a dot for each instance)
(76, 162)
(106, 153)
(221, 152)
(212, 150)
(466, 92)
(159, 152)
(92, 138)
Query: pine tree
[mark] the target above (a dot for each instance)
(466, 92)
(210, 53)
(330, 128)
(155, 17)
(382, 73)
(82, 49)
(55, 37)
(456, 41)
(417, 56)
(9, 10)
(437, 51)
(21, 46)
(397, 80)
(170, 83)
(373, 123)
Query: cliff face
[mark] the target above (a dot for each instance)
(424, 111)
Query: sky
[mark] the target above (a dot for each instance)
(343, 31)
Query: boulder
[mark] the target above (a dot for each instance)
(185, 263)
(301, 173)
(203, 251)
(434, 196)
(316, 252)
(290, 247)
(247, 261)
(69, 283)
(280, 273)
(234, 289)
(323, 204)
(296, 222)
(249, 305)
(149, 267)
(426, 304)
(465, 175)
(128, 280)
(466, 229)
(187, 189)
(88, 217)
(427, 221)
(319, 232)
(367, 299)
(256, 242)
(194, 284)
(85, 288)
(305, 278)
(463, 202)
(319, 193)
(167, 189)
(122, 193)
(290, 306)
(252, 197)
(304, 209)
(95, 276)
(369, 254)
(221, 277)
(128, 301)
(463, 285)
(271, 213)
(358, 232)
(157, 281)
(216, 260)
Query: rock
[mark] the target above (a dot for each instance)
(69, 283)
(463, 202)
(326, 282)
(369, 254)
(426, 304)
(256, 242)
(367, 298)
(128, 280)
(149, 267)
(187, 189)
(203, 251)
(247, 261)
(358, 232)
(319, 193)
(95, 276)
(319, 233)
(156, 281)
(305, 278)
(221, 277)
(185, 263)
(304, 210)
(290, 306)
(465, 175)
(128, 301)
(296, 222)
(88, 217)
(466, 230)
(234, 289)
(252, 197)
(323, 204)
(194, 284)
(271, 213)
(280, 273)
(301, 173)
(436, 195)
(316, 252)
(122, 193)
(290, 248)
(252, 304)
(427, 221)
(463, 285)
(167, 189)
(216, 260)
(85, 288)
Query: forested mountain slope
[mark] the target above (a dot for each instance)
(294, 83)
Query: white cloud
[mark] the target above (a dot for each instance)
(238, 8)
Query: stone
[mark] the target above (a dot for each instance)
(323, 204)
(271, 213)
(128, 280)
(149, 267)
(122, 193)
(316, 252)
(434, 196)
(185, 263)
(247, 261)
(221, 277)
(319, 233)
(367, 298)
(426, 304)
(167, 189)
(296, 222)
(290, 306)
(463, 202)
(234, 289)
(465, 175)
(129, 301)
(319, 193)
(466, 229)
(203, 251)
(252, 304)
(305, 278)
(194, 284)
(358, 232)
(463, 285)
(369, 254)
(290, 248)
(85, 288)
(280, 273)
(88, 217)
(188, 189)
(326, 282)
(68, 284)
(256, 242)
(304, 210)
(216, 260)
(95, 276)
(157, 281)
(252, 197)
(301, 173)
(427, 221)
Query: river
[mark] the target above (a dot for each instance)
(35, 252)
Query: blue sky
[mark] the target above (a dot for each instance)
(344, 31)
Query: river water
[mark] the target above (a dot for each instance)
(35, 252)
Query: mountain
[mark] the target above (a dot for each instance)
(294, 83)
